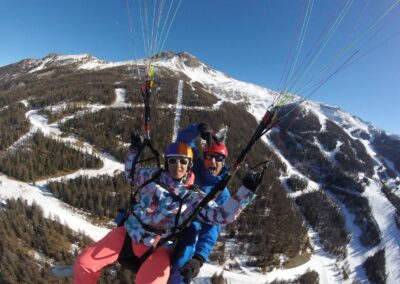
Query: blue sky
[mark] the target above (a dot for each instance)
(249, 40)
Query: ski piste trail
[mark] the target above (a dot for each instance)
(226, 89)
(178, 110)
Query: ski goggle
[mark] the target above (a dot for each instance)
(218, 158)
(182, 161)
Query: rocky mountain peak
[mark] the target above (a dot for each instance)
(182, 58)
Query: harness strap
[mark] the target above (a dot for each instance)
(156, 154)
(126, 256)
(178, 215)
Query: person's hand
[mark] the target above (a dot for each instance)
(207, 133)
(253, 180)
(192, 268)
(137, 139)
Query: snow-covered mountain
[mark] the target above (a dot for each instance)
(336, 178)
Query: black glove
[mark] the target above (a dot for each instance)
(136, 139)
(207, 133)
(253, 180)
(191, 268)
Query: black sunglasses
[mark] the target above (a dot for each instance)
(183, 161)
(218, 158)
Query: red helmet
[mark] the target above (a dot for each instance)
(215, 148)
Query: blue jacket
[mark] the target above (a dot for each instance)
(198, 238)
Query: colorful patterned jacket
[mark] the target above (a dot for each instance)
(159, 202)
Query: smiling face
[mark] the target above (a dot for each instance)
(213, 162)
(177, 167)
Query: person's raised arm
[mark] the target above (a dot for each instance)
(190, 133)
(230, 210)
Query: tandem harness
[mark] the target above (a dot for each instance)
(267, 123)
(127, 258)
